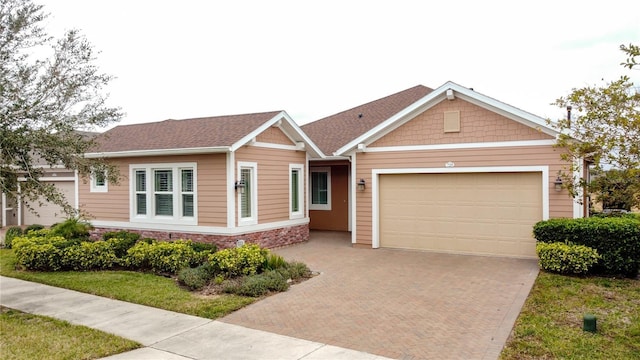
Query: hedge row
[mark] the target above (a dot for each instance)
(41, 251)
(617, 240)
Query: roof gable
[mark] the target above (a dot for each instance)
(333, 132)
(448, 90)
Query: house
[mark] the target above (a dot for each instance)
(23, 211)
(448, 170)
(214, 179)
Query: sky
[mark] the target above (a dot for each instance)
(185, 59)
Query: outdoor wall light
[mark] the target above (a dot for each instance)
(557, 184)
(361, 184)
(240, 185)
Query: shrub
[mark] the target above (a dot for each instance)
(245, 260)
(298, 270)
(257, 285)
(273, 262)
(617, 240)
(121, 241)
(203, 247)
(194, 278)
(33, 227)
(11, 234)
(72, 228)
(98, 255)
(39, 253)
(163, 257)
(38, 233)
(566, 258)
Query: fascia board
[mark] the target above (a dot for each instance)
(157, 152)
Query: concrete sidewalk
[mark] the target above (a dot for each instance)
(166, 335)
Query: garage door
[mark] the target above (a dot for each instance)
(50, 213)
(475, 213)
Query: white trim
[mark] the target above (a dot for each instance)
(435, 97)
(289, 127)
(253, 220)
(158, 152)
(94, 188)
(352, 196)
(76, 191)
(231, 199)
(306, 185)
(275, 146)
(477, 145)
(150, 217)
(195, 229)
(300, 213)
(578, 209)
(4, 209)
(51, 178)
(19, 200)
(375, 173)
(326, 206)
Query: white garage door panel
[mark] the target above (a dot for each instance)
(484, 213)
(50, 213)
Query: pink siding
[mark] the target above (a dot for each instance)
(274, 136)
(211, 179)
(476, 125)
(560, 205)
(273, 179)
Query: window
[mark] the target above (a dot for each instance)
(98, 181)
(163, 192)
(320, 188)
(247, 195)
(296, 207)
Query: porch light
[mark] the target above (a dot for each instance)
(361, 184)
(240, 185)
(557, 184)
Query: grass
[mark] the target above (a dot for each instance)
(551, 321)
(130, 286)
(26, 337)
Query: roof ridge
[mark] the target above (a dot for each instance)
(370, 102)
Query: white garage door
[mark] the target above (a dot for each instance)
(475, 213)
(50, 213)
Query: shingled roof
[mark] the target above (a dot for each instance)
(206, 132)
(333, 132)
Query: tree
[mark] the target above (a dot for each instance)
(45, 101)
(606, 130)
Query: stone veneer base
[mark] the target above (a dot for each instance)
(266, 239)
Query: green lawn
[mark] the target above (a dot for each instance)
(130, 286)
(550, 324)
(27, 337)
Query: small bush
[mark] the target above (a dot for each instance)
(38, 233)
(72, 229)
(162, 257)
(33, 227)
(121, 241)
(617, 240)
(245, 260)
(258, 285)
(298, 270)
(273, 262)
(39, 253)
(202, 247)
(194, 278)
(566, 258)
(11, 234)
(98, 255)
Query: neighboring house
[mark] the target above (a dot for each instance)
(215, 179)
(447, 170)
(17, 212)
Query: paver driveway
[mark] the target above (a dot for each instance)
(397, 303)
